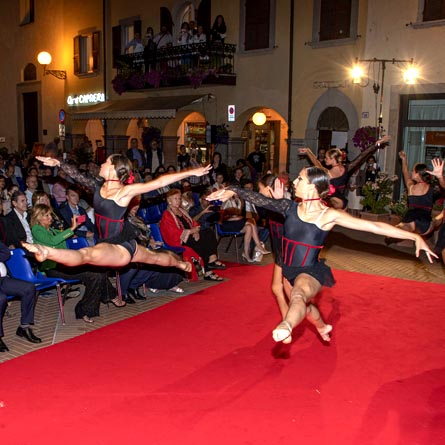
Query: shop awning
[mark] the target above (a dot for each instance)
(150, 108)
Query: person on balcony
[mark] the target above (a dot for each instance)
(164, 38)
(184, 36)
(135, 44)
(149, 50)
(218, 31)
(200, 36)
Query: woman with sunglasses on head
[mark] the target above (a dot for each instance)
(112, 195)
(306, 226)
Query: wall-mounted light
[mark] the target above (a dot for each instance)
(44, 58)
(259, 118)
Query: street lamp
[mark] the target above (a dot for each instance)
(44, 58)
(410, 74)
(259, 118)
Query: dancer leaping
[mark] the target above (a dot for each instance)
(306, 227)
(111, 198)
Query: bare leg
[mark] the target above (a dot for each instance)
(278, 291)
(247, 230)
(313, 315)
(146, 256)
(102, 254)
(305, 288)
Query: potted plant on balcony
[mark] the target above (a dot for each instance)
(377, 197)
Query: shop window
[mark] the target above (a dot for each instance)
(26, 12)
(258, 19)
(335, 22)
(86, 53)
(433, 10)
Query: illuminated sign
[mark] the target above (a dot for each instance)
(85, 99)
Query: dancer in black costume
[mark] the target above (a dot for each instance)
(306, 227)
(111, 198)
(339, 174)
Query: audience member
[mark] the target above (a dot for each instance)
(183, 158)
(163, 38)
(31, 187)
(218, 167)
(135, 45)
(134, 153)
(16, 222)
(200, 36)
(97, 285)
(256, 161)
(20, 289)
(184, 35)
(155, 156)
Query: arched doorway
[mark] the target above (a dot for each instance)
(332, 129)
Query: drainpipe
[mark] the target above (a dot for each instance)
(289, 93)
(104, 52)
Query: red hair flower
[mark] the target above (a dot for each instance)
(331, 190)
(130, 179)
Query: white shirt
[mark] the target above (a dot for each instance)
(25, 225)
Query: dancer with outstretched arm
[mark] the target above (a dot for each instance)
(111, 198)
(306, 227)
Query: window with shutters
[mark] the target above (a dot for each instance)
(26, 12)
(86, 53)
(433, 10)
(334, 22)
(258, 25)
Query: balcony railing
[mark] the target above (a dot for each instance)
(181, 65)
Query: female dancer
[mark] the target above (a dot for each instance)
(420, 195)
(306, 227)
(111, 198)
(339, 173)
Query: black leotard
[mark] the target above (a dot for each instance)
(301, 243)
(111, 226)
(340, 183)
(419, 210)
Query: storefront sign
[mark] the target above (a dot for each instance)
(85, 99)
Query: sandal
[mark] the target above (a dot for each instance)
(283, 332)
(216, 265)
(212, 277)
(117, 302)
(177, 289)
(153, 291)
(87, 319)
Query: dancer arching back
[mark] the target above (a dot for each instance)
(111, 198)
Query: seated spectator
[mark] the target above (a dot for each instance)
(233, 221)
(16, 223)
(58, 222)
(27, 294)
(97, 285)
(59, 187)
(219, 183)
(6, 198)
(179, 229)
(72, 208)
(238, 177)
(205, 213)
(31, 186)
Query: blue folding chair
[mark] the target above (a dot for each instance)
(157, 236)
(233, 236)
(76, 243)
(19, 267)
(150, 214)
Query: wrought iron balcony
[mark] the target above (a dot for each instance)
(193, 65)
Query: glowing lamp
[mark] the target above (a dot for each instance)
(259, 118)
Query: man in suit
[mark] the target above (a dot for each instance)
(134, 153)
(27, 294)
(16, 223)
(71, 209)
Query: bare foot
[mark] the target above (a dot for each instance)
(324, 332)
(41, 252)
(282, 332)
(185, 266)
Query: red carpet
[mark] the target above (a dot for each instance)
(204, 370)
